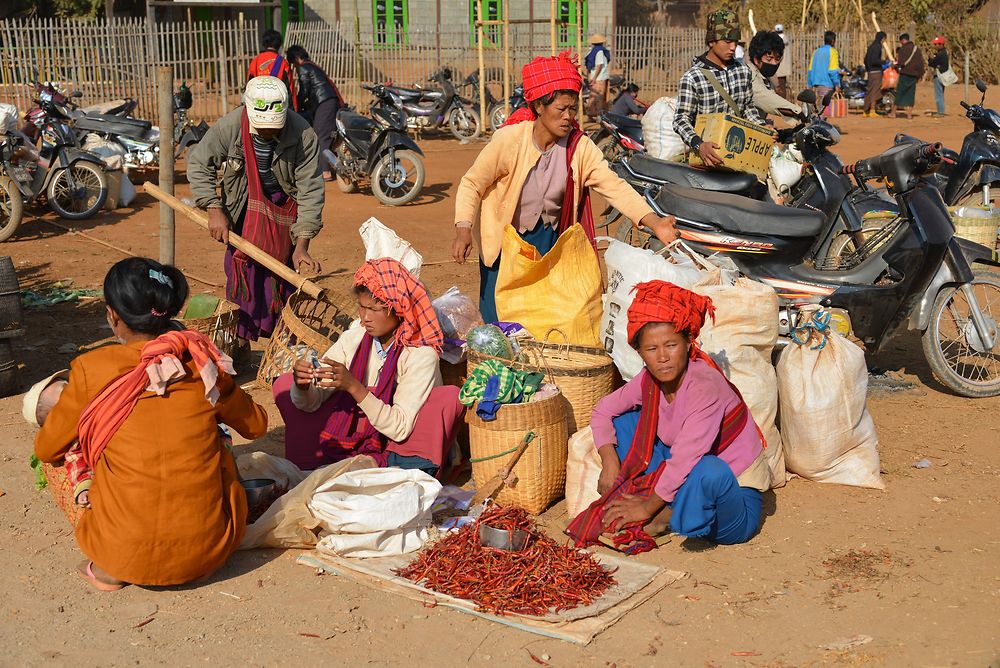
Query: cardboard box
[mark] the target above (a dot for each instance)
(746, 146)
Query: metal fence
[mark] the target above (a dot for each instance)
(112, 59)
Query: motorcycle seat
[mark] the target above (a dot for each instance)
(409, 93)
(118, 125)
(624, 121)
(684, 175)
(742, 215)
(354, 122)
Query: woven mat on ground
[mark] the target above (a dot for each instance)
(637, 583)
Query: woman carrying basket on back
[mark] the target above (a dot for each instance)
(529, 191)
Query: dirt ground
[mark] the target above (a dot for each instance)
(836, 576)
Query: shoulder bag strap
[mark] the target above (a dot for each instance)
(720, 90)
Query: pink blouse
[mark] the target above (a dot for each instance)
(543, 191)
(689, 425)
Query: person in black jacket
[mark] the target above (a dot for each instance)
(317, 96)
(873, 67)
(940, 62)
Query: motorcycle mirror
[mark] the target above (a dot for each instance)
(808, 96)
(981, 86)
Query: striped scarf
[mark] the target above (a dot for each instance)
(348, 432)
(633, 480)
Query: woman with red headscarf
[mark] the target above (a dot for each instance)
(535, 175)
(678, 445)
(377, 391)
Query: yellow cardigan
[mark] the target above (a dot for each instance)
(490, 190)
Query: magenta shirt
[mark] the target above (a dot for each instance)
(689, 425)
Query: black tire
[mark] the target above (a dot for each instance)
(497, 116)
(92, 187)
(844, 243)
(885, 103)
(465, 123)
(610, 148)
(11, 208)
(950, 340)
(395, 185)
(346, 186)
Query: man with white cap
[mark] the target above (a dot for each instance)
(272, 196)
(779, 82)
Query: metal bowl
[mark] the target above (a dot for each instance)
(502, 539)
(258, 490)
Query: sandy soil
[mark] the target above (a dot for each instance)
(837, 575)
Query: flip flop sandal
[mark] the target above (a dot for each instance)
(88, 575)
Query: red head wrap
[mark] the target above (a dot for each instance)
(659, 301)
(546, 75)
(391, 283)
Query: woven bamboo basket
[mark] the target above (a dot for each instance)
(220, 326)
(981, 229)
(453, 374)
(11, 318)
(584, 375)
(306, 325)
(541, 471)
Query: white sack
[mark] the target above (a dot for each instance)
(740, 341)
(827, 431)
(375, 512)
(658, 134)
(628, 266)
(583, 468)
(380, 241)
(8, 117)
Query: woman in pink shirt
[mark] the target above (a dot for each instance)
(678, 445)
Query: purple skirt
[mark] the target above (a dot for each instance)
(260, 312)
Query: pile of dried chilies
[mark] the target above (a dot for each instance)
(544, 577)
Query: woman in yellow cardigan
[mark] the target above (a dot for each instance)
(521, 181)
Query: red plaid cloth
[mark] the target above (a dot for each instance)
(543, 76)
(660, 301)
(391, 283)
(77, 470)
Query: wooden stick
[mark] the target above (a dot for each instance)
(122, 250)
(239, 243)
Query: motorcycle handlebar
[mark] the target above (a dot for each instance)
(878, 166)
(965, 105)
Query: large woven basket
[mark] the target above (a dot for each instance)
(584, 375)
(306, 325)
(220, 326)
(541, 471)
(981, 228)
(11, 318)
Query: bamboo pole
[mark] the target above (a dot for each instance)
(579, 57)
(239, 243)
(552, 26)
(165, 90)
(885, 47)
(482, 65)
(223, 84)
(506, 58)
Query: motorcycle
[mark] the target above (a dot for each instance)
(378, 150)
(975, 171)
(424, 109)
(71, 179)
(495, 110)
(618, 136)
(854, 87)
(913, 274)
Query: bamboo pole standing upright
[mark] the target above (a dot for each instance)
(482, 62)
(506, 58)
(223, 83)
(579, 56)
(164, 92)
(552, 27)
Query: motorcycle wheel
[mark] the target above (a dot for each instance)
(884, 105)
(397, 184)
(843, 243)
(465, 123)
(11, 208)
(88, 197)
(951, 345)
(497, 116)
(610, 148)
(346, 186)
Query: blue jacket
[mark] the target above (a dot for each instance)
(824, 67)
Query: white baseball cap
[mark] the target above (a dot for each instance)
(29, 405)
(266, 102)
(778, 27)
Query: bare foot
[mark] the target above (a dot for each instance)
(660, 524)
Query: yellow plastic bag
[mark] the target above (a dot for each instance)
(560, 290)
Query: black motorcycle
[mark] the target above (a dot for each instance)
(426, 109)
(377, 150)
(975, 171)
(913, 274)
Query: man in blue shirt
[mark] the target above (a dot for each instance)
(824, 67)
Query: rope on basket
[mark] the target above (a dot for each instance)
(530, 436)
(819, 325)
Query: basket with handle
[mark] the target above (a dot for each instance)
(220, 327)
(306, 325)
(541, 470)
(583, 374)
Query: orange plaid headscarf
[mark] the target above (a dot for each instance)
(659, 301)
(391, 283)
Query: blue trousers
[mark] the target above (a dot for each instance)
(543, 238)
(939, 95)
(710, 504)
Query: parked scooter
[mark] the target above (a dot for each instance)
(377, 150)
(618, 136)
(973, 173)
(424, 109)
(854, 87)
(495, 110)
(71, 179)
(914, 274)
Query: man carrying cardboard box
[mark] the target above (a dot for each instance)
(716, 83)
